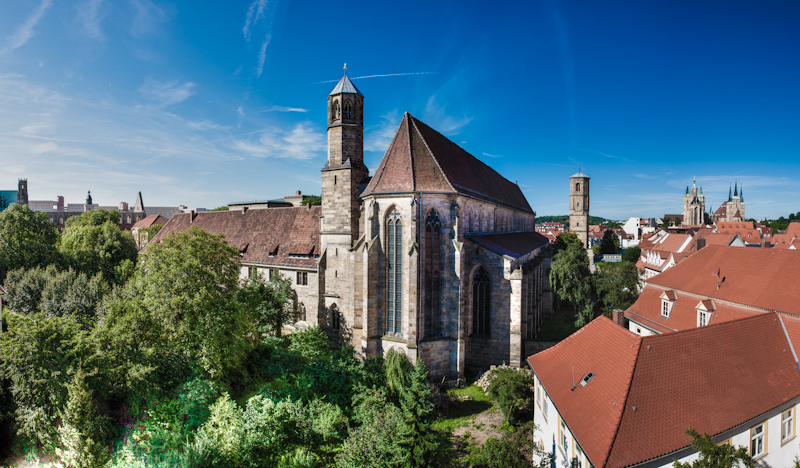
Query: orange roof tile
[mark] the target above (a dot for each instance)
(592, 412)
(756, 277)
(663, 384)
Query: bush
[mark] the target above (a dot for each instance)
(373, 444)
(84, 431)
(512, 391)
(514, 448)
(312, 344)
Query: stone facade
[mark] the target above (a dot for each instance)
(694, 205)
(579, 207)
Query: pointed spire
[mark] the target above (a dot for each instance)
(345, 85)
(736, 189)
(139, 207)
(694, 181)
(687, 190)
(741, 194)
(729, 194)
(701, 189)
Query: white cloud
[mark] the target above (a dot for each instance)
(90, 17)
(285, 109)
(436, 116)
(206, 125)
(492, 155)
(147, 18)
(262, 55)
(166, 93)
(302, 142)
(379, 137)
(26, 30)
(254, 13)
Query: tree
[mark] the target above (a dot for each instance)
(418, 440)
(27, 239)
(618, 284)
(571, 281)
(632, 254)
(185, 296)
(712, 455)
(271, 301)
(36, 354)
(93, 243)
(610, 243)
(513, 392)
(83, 430)
(566, 239)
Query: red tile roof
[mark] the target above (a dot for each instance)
(256, 233)
(592, 412)
(663, 384)
(149, 221)
(513, 244)
(785, 239)
(421, 159)
(756, 277)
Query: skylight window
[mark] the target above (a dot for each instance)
(586, 379)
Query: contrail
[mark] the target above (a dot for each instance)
(373, 76)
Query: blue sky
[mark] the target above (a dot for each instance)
(204, 102)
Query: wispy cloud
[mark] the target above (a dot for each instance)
(26, 30)
(254, 13)
(302, 142)
(166, 93)
(89, 17)
(374, 76)
(262, 55)
(147, 17)
(492, 155)
(437, 117)
(379, 137)
(285, 109)
(206, 125)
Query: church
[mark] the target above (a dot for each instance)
(435, 255)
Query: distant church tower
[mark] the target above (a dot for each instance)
(22, 192)
(694, 205)
(343, 177)
(579, 206)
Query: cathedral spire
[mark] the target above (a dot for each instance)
(729, 194)
(687, 190)
(736, 189)
(741, 194)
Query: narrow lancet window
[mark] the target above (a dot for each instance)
(433, 270)
(394, 244)
(481, 302)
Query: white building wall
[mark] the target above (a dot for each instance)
(640, 329)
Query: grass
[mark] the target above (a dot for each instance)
(560, 326)
(461, 414)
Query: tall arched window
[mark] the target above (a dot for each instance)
(336, 110)
(433, 271)
(336, 317)
(348, 109)
(481, 302)
(394, 250)
(301, 312)
(577, 186)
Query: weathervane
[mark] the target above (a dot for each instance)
(345, 68)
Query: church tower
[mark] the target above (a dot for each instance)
(22, 192)
(343, 177)
(579, 206)
(694, 205)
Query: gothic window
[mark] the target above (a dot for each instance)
(348, 109)
(336, 110)
(481, 302)
(577, 186)
(394, 249)
(301, 312)
(336, 317)
(433, 272)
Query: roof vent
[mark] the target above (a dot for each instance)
(586, 379)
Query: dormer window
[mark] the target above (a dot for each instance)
(667, 301)
(704, 311)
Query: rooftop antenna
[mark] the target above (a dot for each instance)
(573, 379)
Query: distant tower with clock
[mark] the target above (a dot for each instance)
(579, 206)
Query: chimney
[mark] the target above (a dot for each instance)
(618, 317)
(244, 209)
(308, 206)
(699, 243)
(298, 193)
(191, 217)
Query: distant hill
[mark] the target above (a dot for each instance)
(565, 219)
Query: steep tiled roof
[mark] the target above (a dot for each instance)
(421, 159)
(683, 315)
(149, 221)
(257, 233)
(513, 244)
(785, 239)
(684, 379)
(592, 412)
(756, 277)
(647, 391)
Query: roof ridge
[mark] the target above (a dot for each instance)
(710, 325)
(414, 121)
(411, 152)
(382, 165)
(625, 401)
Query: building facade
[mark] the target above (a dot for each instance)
(579, 207)
(435, 255)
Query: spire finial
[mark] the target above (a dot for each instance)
(345, 69)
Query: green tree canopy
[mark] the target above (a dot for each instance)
(27, 239)
(618, 284)
(713, 455)
(566, 239)
(572, 281)
(93, 243)
(610, 243)
(632, 254)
